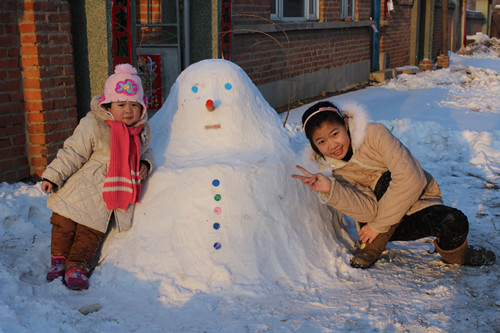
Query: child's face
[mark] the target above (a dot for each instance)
(332, 139)
(126, 112)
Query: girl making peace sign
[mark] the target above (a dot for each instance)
(378, 183)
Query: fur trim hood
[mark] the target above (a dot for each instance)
(357, 119)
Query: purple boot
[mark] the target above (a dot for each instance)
(76, 279)
(57, 267)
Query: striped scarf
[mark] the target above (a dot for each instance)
(122, 185)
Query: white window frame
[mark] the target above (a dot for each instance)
(311, 11)
(345, 9)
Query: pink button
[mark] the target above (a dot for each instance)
(217, 210)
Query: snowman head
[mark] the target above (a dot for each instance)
(218, 110)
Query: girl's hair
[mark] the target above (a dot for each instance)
(316, 115)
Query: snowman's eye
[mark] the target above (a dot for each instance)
(194, 89)
(228, 86)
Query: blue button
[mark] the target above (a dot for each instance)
(216, 226)
(215, 182)
(217, 246)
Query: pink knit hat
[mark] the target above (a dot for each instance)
(124, 86)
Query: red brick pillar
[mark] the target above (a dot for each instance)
(13, 159)
(443, 61)
(48, 75)
(425, 65)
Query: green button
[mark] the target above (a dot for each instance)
(217, 197)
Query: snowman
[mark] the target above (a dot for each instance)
(220, 211)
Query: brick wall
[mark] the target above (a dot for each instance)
(44, 63)
(395, 35)
(274, 56)
(13, 159)
(251, 11)
(437, 35)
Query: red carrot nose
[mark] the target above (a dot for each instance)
(209, 105)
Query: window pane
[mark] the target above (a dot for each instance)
(273, 7)
(293, 8)
(348, 8)
(156, 35)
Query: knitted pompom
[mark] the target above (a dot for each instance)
(125, 68)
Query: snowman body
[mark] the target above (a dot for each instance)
(220, 209)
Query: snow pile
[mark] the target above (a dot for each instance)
(480, 149)
(471, 88)
(221, 211)
(483, 47)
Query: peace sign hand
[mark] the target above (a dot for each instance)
(316, 182)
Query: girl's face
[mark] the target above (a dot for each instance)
(126, 112)
(332, 139)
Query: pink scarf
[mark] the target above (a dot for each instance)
(122, 185)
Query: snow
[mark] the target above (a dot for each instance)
(284, 267)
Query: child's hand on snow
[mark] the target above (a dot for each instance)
(367, 234)
(317, 182)
(143, 171)
(47, 187)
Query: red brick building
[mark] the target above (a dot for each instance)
(56, 54)
(37, 98)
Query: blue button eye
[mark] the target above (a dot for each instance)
(228, 86)
(194, 89)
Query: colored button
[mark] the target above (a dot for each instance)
(215, 182)
(217, 246)
(216, 226)
(217, 197)
(217, 210)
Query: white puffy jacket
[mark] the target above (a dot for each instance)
(80, 168)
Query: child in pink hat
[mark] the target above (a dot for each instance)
(97, 175)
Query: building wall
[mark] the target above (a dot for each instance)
(41, 31)
(436, 35)
(438, 23)
(204, 25)
(484, 6)
(287, 60)
(13, 158)
(395, 37)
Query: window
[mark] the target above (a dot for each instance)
(348, 8)
(294, 10)
(157, 23)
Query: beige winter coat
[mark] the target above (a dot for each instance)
(375, 151)
(80, 168)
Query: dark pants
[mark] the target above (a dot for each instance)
(447, 224)
(76, 242)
